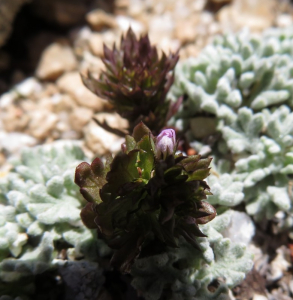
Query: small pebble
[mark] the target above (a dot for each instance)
(55, 60)
(71, 84)
(98, 20)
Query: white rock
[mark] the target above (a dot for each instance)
(280, 264)
(56, 59)
(206, 18)
(7, 99)
(280, 215)
(101, 141)
(259, 297)
(61, 102)
(71, 84)
(62, 143)
(13, 142)
(28, 87)
(167, 45)
(96, 44)
(205, 150)
(70, 135)
(98, 19)
(125, 22)
(284, 20)
(111, 37)
(161, 26)
(137, 8)
(92, 63)
(79, 117)
(185, 30)
(199, 5)
(62, 126)
(13, 118)
(241, 229)
(260, 259)
(42, 123)
(250, 13)
(83, 33)
(45, 104)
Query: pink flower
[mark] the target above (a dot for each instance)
(165, 143)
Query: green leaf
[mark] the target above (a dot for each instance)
(189, 159)
(203, 163)
(123, 170)
(199, 174)
(130, 143)
(89, 183)
(140, 131)
(91, 194)
(88, 216)
(171, 173)
(145, 157)
(189, 164)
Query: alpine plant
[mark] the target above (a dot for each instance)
(147, 195)
(136, 81)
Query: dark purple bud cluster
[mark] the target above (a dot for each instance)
(149, 193)
(136, 81)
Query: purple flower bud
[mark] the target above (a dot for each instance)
(165, 143)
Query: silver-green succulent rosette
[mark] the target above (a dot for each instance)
(237, 71)
(240, 91)
(39, 216)
(186, 273)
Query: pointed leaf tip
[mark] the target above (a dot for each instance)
(140, 131)
(97, 167)
(208, 208)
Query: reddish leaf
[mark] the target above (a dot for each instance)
(88, 216)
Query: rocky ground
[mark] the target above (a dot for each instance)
(51, 43)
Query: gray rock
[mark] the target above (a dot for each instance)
(83, 279)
